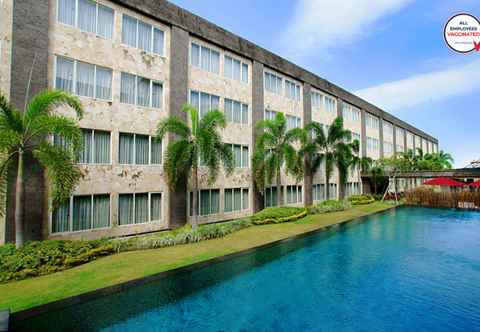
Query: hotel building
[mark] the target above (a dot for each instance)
(135, 62)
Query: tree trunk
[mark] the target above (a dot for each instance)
(360, 183)
(195, 197)
(19, 198)
(327, 183)
(279, 187)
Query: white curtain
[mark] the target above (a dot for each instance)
(82, 212)
(157, 95)
(143, 93)
(204, 103)
(129, 31)
(86, 154)
(127, 89)
(237, 155)
(245, 199)
(215, 201)
(228, 67)
(101, 211)
(195, 55)
(85, 79)
(105, 22)
(141, 150)
(236, 70)
(60, 218)
(237, 112)
(205, 58)
(155, 207)
(66, 11)
(158, 41)
(237, 199)
(245, 156)
(215, 59)
(195, 100)
(156, 153)
(125, 209)
(228, 200)
(204, 202)
(126, 149)
(228, 109)
(244, 72)
(64, 79)
(141, 208)
(144, 36)
(104, 83)
(215, 103)
(87, 15)
(245, 113)
(102, 147)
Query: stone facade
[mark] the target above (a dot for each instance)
(179, 77)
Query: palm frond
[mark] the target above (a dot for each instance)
(172, 125)
(179, 159)
(10, 118)
(46, 101)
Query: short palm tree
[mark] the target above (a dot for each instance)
(200, 142)
(27, 133)
(273, 149)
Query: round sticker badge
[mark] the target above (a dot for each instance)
(462, 33)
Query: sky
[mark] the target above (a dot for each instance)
(389, 52)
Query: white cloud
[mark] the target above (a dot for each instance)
(422, 88)
(318, 25)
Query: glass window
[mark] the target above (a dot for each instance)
(60, 218)
(127, 89)
(144, 36)
(158, 41)
(155, 206)
(105, 21)
(85, 79)
(66, 11)
(129, 31)
(82, 213)
(87, 16)
(103, 83)
(195, 55)
(156, 152)
(64, 75)
(126, 148)
(244, 72)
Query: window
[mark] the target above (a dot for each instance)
(204, 102)
(240, 155)
(270, 115)
(83, 79)
(330, 104)
(409, 140)
(352, 188)
(273, 83)
(87, 16)
(271, 196)
(293, 122)
(292, 90)
(236, 199)
(372, 122)
(141, 91)
(82, 213)
(399, 148)
(142, 35)
(323, 102)
(387, 129)
(294, 194)
(135, 149)
(387, 148)
(372, 144)
(139, 208)
(235, 111)
(350, 113)
(332, 192)
(235, 69)
(317, 99)
(208, 202)
(318, 192)
(205, 58)
(96, 147)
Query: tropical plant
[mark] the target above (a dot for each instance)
(26, 135)
(377, 170)
(359, 163)
(200, 142)
(273, 149)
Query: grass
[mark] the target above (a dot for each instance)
(111, 270)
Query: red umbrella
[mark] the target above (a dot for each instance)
(443, 181)
(475, 184)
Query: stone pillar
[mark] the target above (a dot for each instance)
(405, 147)
(178, 97)
(29, 53)
(340, 190)
(394, 139)
(363, 134)
(307, 118)
(380, 135)
(258, 109)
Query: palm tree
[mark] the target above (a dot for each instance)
(26, 133)
(361, 164)
(446, 159)
(275, 148)
(200, 142)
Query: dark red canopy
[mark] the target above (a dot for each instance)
(475, 184)
(443, 181)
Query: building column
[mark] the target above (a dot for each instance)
(405, 147)
(29, 54)
(258, 109)
(394, 139)
(177, 199)
(340, 190)
(307, 119)
(363, 134)
(380, 135)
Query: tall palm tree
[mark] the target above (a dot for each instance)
(275, 148)
(446, 159)
(200, 142)
(27, 133)
(359, 163)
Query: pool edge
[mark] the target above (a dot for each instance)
(91, 295)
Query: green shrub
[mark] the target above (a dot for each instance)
(378, 197)
(361, 199)
(273, 215)
(44, 257)
(182, 235)
(329, 206)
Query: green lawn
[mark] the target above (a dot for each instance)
(111, 270)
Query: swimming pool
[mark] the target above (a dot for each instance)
(409, 269)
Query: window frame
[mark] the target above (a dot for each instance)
(93, 148)
(278, 91)
(201, 47)
(150, 221)
(242, 189)
(152, 81)
(242, 63)
(70, 215)
(150, 138)
(152, 41)
(75, 25)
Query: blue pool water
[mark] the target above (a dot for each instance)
(406, 270)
